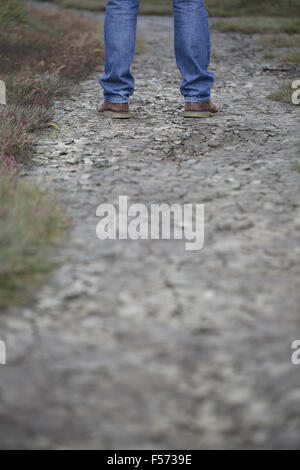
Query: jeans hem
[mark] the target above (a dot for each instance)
(116, 100)
(196, 100)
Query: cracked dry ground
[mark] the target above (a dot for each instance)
(140, 344)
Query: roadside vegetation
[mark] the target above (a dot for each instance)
(43, 53)
(217, 8)
(258, 25)
(296, 166)
(147, 7)
(283, 94)
(31, 222)
(278, 23)
(285, 48)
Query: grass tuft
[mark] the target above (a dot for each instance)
(296, 166)
(29, 221)
(283, 94)
(279, 41)
(292, 55)
(259, 25)
(12, 13)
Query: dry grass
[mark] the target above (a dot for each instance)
(16, 124)
(11, 13)
(43, 52)
(147, 7)
(40, 61)
(283, 94)
(231, 8)
(225, 8)
(284, 48)
(29, 222)
(296, 166)
(259, 25)
(279, 41)
(292, 55)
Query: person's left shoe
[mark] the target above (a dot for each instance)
(200, 110)
(114, 110)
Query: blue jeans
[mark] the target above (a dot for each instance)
(192, 49)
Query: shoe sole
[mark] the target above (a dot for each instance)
(113, 115)
(193, 114)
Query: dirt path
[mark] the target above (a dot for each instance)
(142, 344)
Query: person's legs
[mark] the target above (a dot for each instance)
(120, 41)
(192, 49)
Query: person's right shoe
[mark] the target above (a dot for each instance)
(113, 110)
(201, 109)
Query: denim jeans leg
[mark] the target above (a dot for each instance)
(192, 49)
(120, 42)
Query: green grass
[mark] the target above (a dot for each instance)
(224, 8)
(292, 55)
(290, 44)
(147, 7)
(258, 24)
(12, 13)
(296, 166)
(283, 94)
(269, 55)
(243, 16)
(232, 8)
(279, 41)
(30, 222)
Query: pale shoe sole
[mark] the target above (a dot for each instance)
(113, 115)
(194, 114)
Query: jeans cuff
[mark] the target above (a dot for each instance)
(194, 99)
(116, 100)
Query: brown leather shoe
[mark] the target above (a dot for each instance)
(114, 110)
(200, 110)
